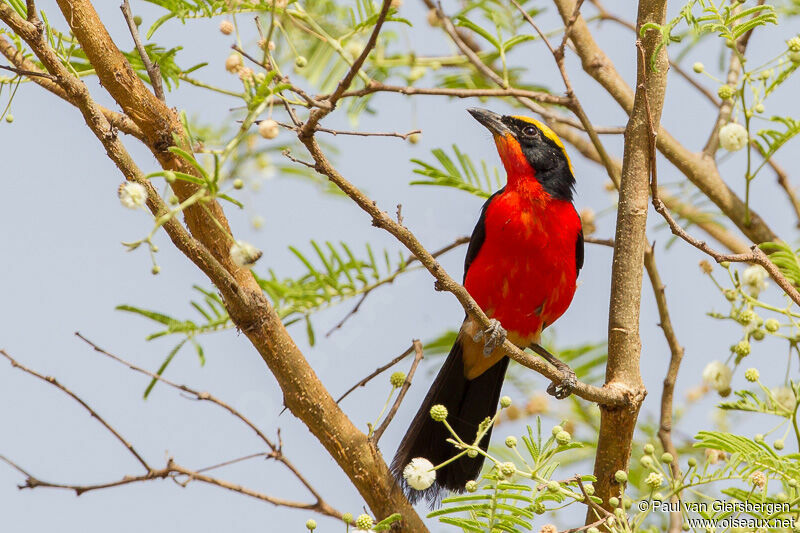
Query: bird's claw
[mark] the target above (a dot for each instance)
(495, 335)
(567, 385)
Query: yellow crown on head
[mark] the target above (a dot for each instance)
(550, 134)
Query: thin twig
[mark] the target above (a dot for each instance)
(52, 381)
(455, 244)
(668, 391)
(153, 70)
(29, 73)
(573, 103)
(403, 136)
(603, 242)
(276, 451)
(376, 436)
(606, 15)
(318, 114)
(377, 372)
(610, 395)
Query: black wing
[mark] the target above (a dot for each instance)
(579, 253)
(479, 235)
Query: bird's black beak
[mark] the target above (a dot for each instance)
(492, 121)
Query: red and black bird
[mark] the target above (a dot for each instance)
(521, 267)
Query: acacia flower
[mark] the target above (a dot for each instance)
(733, 136)
(758, 479)
(365, 522)
(419, 474)
(245, 254)
(751, 374)
(132, 195)
(226, 27)
(754, 279)
(654, 480)
(717, 375)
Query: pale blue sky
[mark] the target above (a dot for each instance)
(64, 270)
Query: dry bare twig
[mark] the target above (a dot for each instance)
(153, 70)
(417, 345)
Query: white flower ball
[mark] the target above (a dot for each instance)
(754, 279)
(132, 195)
(733, 137)
(245, 254)
(717, 375)
(419, 473)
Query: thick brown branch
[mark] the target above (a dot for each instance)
(624, 342)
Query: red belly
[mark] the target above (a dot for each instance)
(525, 273)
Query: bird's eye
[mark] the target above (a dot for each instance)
(530, 131)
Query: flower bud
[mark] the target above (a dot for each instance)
(772, 325)
(725, 92)
(505, 402)
(511, 441)
(226, 27)
(311, 524)
(471, 486)
(439, 413)
(698, 67)
(364, 521)
(268, 129)
(620, 476)
(397, 379)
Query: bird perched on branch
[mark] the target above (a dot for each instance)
(521, 267)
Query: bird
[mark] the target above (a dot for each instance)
(521, 268)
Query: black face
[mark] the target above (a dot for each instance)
(544, 155)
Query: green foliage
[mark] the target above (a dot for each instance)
(214, 318)
(464, 176)
(770, 141)
(785, 259)
(721, 20)
(337, 275)
(505, 502)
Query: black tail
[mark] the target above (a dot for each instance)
(468, 403)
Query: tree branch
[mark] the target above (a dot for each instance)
(376, 436)
(624, 343)
(52, 381)
(153, 71)
(50, 83)
(668, 391)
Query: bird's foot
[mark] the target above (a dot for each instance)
(568, 380)
(567, 385)
(495, 335)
